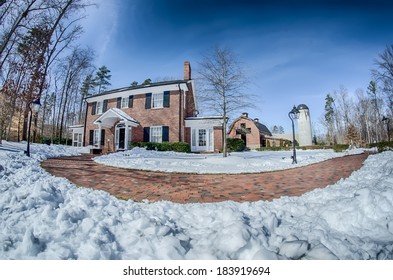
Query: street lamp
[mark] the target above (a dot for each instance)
(34, 106)
(386, 121)
(293, 114)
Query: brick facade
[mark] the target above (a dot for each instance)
(178, 104)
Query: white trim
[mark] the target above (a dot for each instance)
(113, 115)
(203, 122)
(138, 91)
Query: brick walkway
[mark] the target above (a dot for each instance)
(190, 188)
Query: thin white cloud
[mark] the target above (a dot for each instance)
(101, 26)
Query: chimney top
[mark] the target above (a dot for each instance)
(245, 114)
(256, 120)
(187, 70)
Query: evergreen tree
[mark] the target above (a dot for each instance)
(134, 83)
(102, 78)
(146, 82)
(352, 136)
(329, 116)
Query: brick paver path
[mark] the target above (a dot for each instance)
(190, 188)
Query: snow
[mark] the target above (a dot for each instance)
(237, 162)
(47, 217)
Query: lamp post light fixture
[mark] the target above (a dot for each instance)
(34, 107)
(386, 121)
(293, 114)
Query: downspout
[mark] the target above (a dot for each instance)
(180, 115)
(84, 129)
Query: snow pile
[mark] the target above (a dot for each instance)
(44, 217)
(237, 162)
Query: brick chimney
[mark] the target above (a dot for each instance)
(187, 70)
(245, 114)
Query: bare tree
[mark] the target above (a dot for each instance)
(223, 86)
(384, 75)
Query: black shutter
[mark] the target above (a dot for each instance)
(130, 101)
(103, 137)
(165, 133)
(91, 137)
(148, 101)
(166, 98)
(105, 106)
(118, 103)
(146, 134)
(93, 108)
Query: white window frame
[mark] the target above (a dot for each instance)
(77, 140)
(100, 105)
(124, 102)
(157, 100)
(156, 134)
(204, 144)
(96, 139)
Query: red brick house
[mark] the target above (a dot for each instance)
(158, 112)
(251, 131)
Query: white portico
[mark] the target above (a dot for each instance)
(122, 124)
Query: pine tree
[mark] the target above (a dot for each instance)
(102, 78)
(146, 82)
(329, 116)
(352, 136)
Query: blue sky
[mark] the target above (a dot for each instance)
(293, 51)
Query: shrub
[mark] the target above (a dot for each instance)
(181, 147)
(382, 146)
(274, 149)
(340, 147)
(235, 145)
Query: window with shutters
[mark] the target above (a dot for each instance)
(157, 100)
(156, 134)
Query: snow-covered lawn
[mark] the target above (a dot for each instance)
(240, 162)
(45, 217)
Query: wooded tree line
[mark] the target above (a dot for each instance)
(40, 58)
(359, 120)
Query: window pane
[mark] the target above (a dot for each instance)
(96, 140)
(99, 107)
(157, 100)
(156, 134)
(124, 102)
(202, 137)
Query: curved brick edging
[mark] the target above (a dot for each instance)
(191, 188)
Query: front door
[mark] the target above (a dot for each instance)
(201, 140)
(120, 135)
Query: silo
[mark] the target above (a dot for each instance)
(304, 126)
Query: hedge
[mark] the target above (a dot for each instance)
(181, 147)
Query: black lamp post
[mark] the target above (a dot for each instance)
(293, 114)
(386, 122)
(36, 106)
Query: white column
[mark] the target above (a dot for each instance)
(126, 137)
(99, 136)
